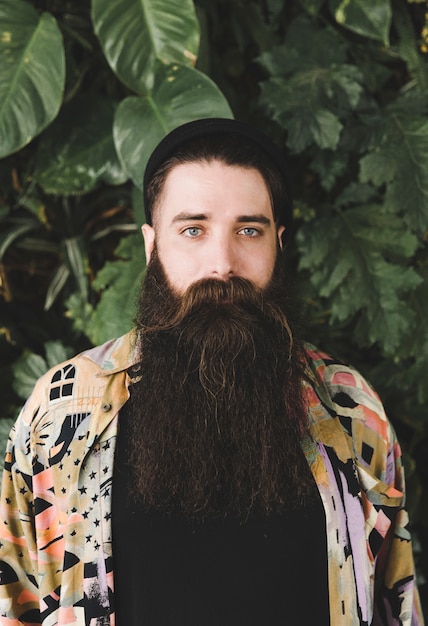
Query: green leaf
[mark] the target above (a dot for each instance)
(58, 281)
(137, 35)
(5, 427)
(329, 166)
(356, 194)
(32, 73)
(312, 91)
(180, 95)
(138, 206)
(305, 119)
(75, 265)
(80, 311)
(56, 352)
(370, 18)
(119, 282)
(398, 157)
(295, 54)
(325, 129)
(76, 260)
(368, 273)
(414, 348)
(77, 152)
(408, 47)
(17, 228)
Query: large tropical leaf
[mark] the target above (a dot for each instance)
(119, 282)
(370, 18)
(137, 35)
(32, 73)
(360, 277)
(414, 351)
(180, 94)
(310, 93)
(77, 152)
(398, 157)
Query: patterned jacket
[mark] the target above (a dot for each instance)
(55, 509)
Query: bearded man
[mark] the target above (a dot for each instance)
(209, 467)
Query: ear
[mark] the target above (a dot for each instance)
(280, 232)
(149, 240)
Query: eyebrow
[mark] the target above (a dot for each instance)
(258, 218)
(185, 217)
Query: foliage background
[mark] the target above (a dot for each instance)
(87, 90)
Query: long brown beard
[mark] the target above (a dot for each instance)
(218, 416)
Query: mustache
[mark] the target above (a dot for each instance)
(216, 327)
(238, 300)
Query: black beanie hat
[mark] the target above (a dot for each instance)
(210, 127)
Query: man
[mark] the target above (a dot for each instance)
(208, 468)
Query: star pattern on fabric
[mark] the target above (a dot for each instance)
(94, 493)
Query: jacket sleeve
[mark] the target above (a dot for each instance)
(379, 472)
(396, 593)
(19, 597)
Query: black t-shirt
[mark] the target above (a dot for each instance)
(170, 571)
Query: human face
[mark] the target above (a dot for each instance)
(214, 221)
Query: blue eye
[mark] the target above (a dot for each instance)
(192, 231)
(248, 231)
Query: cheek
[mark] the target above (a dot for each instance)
(263, 271)
(179, 270)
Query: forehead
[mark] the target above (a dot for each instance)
(213, 185)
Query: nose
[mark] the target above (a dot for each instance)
(222, 260)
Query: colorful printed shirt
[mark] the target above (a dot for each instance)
(55, 508)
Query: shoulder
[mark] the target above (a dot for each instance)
(64, 398)
(348, 396)
(78, 377)
(343, 381)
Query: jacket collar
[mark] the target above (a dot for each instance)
(116, 355)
